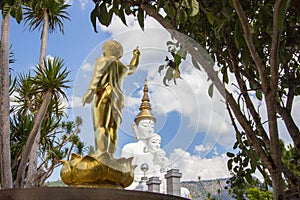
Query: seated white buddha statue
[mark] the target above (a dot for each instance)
(143, 129)
(147, 149)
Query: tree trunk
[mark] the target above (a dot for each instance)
(275, 150)
(5, 157)
(32, 180)
(44, 39)
(270, 99)
(33, 160)
(30, 141)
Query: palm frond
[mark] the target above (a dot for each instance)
(53, 76)
(56, 11)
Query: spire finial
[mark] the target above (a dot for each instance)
(145, 108)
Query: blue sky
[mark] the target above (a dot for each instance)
(195, 129)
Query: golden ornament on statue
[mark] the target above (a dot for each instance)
(107, 98)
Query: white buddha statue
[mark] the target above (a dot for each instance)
(143, 129)
(146, 150)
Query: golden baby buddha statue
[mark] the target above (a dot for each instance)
(107, 98)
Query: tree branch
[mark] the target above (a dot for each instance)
(275, 48)
(27, 150)
(248, 153)
(254, 54)
(243, 88)
(290, 125)
(266, 159)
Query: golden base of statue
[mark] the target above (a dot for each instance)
(98, 172)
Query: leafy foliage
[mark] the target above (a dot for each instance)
(14, 8)
(172, 69)
(256, 194)
(291, 158)
(59, 137)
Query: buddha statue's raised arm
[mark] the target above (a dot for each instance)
(134, 61)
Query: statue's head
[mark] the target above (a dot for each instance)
(144, 128)
(112, 48)
(154, 142)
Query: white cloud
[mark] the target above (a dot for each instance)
(83, 3)
(192, 166)
(117, 27)
(295, 111)
(203, 149)
(87, 67)
(76, 102)
(69, 2)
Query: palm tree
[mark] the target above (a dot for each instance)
(4, 105)
(5, 157)
(46, 15)
(49, 83)
(9, 8)
(59, 138)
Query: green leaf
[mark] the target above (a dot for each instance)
(282, 10)
(182, 16)
(141, 18)
(177, 59)
(128, 11)
(170, 43)
(235, 145)
(230, 155)
(235, 169)
(246, 162)
(194, 8)
(210, 18)
(168, 75)
(120, 13)
(19, 14)
(229, 164)
(104, 17)
(185, 4)
(170, 10)
(248, 178)
(226, 11)
(182, 53)
(258, 94)
(5, 9)
(160, 68)
(225, 77)
(238, 35)
(211, 90)
(93, 18)
(236, 159)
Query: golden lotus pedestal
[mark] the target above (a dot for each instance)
(98, 171)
